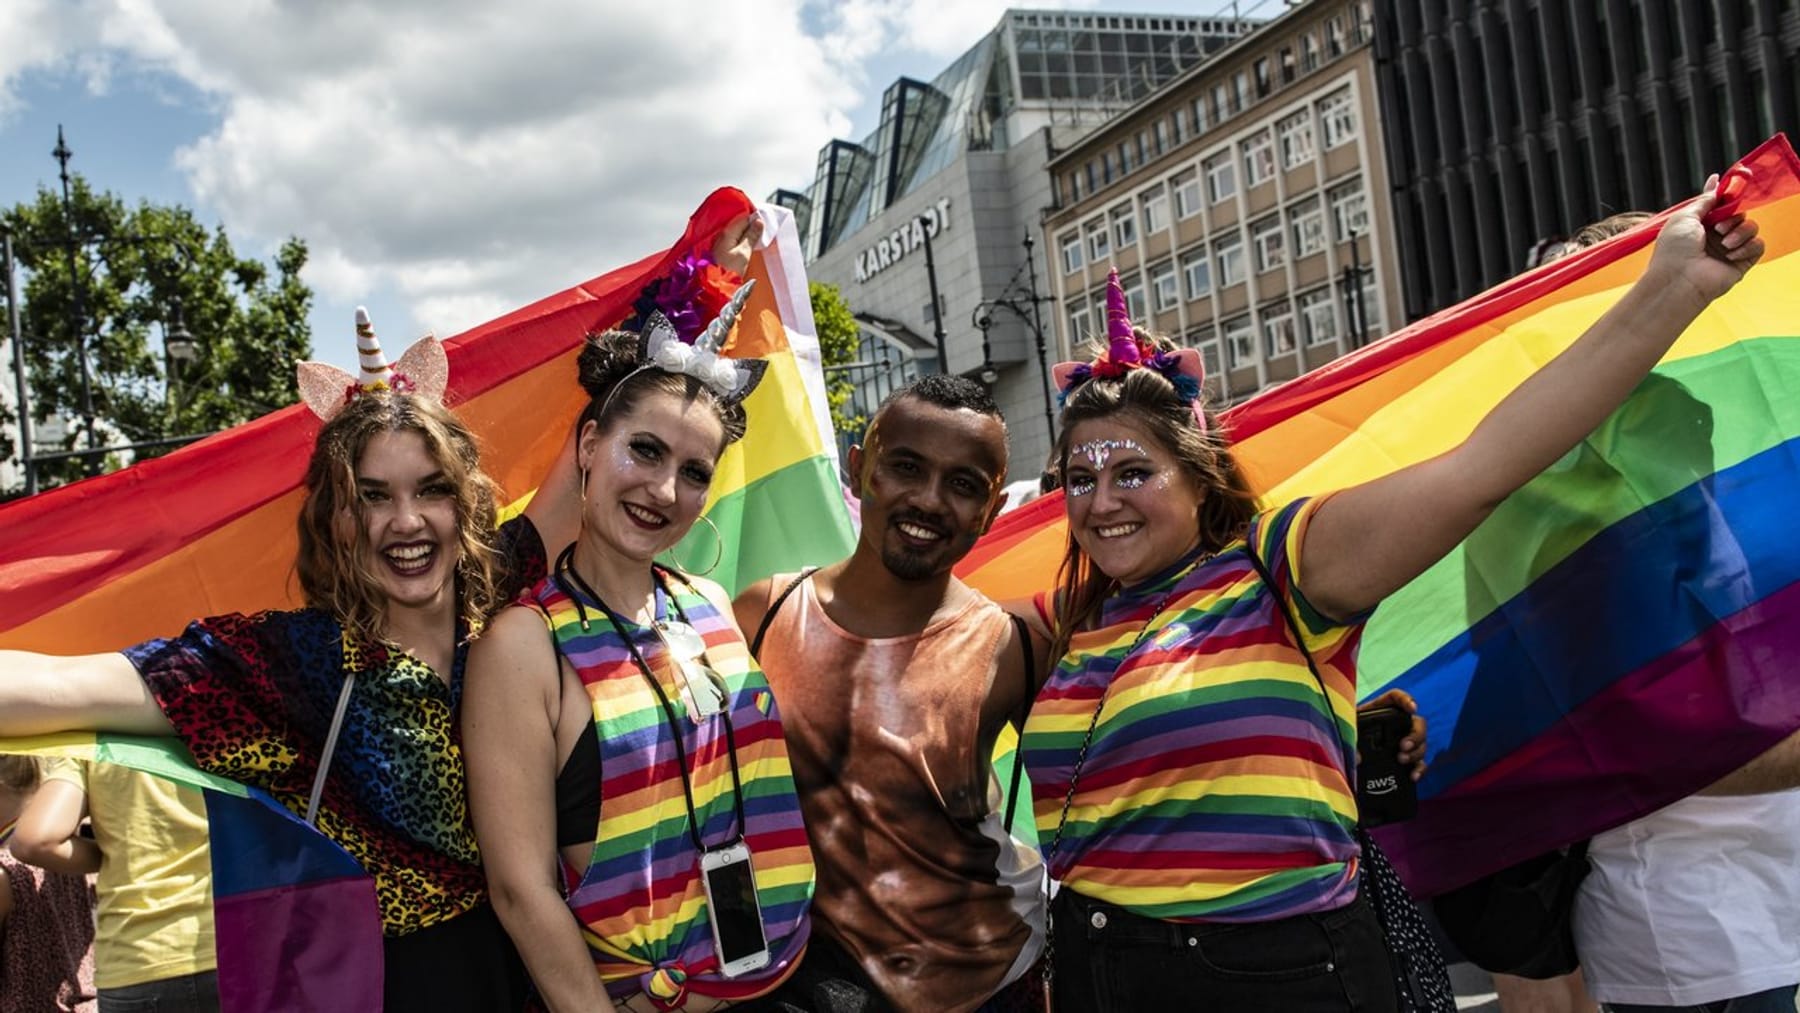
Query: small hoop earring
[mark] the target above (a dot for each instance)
(718, 551)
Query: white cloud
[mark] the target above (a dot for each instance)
(467, 156)
(462, 157)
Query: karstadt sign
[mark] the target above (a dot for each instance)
(908, 237)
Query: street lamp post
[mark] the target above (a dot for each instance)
(937, 312)
(1037, 331)
(18, 353)
(179, 344)
(982, 319)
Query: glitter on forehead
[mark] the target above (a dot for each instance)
(1098, 451)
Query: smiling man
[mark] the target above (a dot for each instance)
(894, 679)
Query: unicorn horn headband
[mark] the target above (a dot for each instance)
(423, 370)
(1125, 351)
(731, 380)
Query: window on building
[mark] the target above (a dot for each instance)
(1337, 118)
(1362, 26)
(1078, 322)
(1099, 247)
(1164, 286)
(1196, 273)
(1240, 91)
(1295, 138)
(1228, 254)
(1309, 52)
(1289, 69)
(1187, 194)
(1371, 307)
(1265, 80)
(1208, 344)
(1106, 167)
(1124, 227)
(1198, 109)
(1221, 178)
(1308, 218)
(1278, 330)
(1179, 119)
(1134, 298)
(1074, 181)
(1159, 137)
(1349, 211)
(1093, 175)
(1156, 209)
(1071, 252)
(1221, 104)
(1259, 158)
(1334, 36)
(1127, 161)
(1318, 317)
(1266, 240)
(1240, 342)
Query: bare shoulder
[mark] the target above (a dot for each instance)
(516, 648)
(752, 603)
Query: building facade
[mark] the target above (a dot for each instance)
(947, 194)
(1519, 121)
(1243, 204)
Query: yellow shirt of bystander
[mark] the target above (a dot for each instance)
(154, 916)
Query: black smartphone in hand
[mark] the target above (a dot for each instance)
(1385, 792)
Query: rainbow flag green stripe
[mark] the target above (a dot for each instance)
(792, 518)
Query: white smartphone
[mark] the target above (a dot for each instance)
(736, 917)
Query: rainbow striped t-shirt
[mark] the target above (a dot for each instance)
(641, 901)
(1218, 784)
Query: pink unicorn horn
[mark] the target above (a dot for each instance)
(1121, 344)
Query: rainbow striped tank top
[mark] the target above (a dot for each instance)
(641, 902)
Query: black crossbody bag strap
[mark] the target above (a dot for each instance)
(1012, 795)
(762, 629)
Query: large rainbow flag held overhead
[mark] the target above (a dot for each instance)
(210, 529)
(1621, 632)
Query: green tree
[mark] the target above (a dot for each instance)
(123, 275)
(838, 339)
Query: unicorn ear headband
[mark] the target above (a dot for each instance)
(1124, 352)
(660, 346)
(423, 370)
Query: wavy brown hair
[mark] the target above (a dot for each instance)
(19, 772)
(1147, 399)
(334, 559)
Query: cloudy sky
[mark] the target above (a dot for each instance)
(449, 160)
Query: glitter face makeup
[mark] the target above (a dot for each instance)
(1097, 451)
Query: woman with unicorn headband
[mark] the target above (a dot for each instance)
(345, 710)
(627, 776)
(1192, 752)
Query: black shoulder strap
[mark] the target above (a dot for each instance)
(1012, 794)
(762, 629)
(1287, 615)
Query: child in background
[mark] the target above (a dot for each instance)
(46, 919)
(154, 943)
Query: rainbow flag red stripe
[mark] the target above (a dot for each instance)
(1621, 632)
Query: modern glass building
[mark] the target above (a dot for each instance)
(948, 193)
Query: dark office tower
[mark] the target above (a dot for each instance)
(1510, 122)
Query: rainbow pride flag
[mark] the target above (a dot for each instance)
(1621, 632)
(294, 916)
(210, 529)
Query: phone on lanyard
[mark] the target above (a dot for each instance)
(1385, 792)
(737, 924)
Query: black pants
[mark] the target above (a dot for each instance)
(467, 965)
(1109, 960)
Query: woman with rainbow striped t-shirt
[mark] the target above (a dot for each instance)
(1192, 776)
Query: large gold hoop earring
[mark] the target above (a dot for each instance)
(718, 552)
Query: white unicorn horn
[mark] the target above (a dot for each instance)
(713, 338)
(372, 366)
